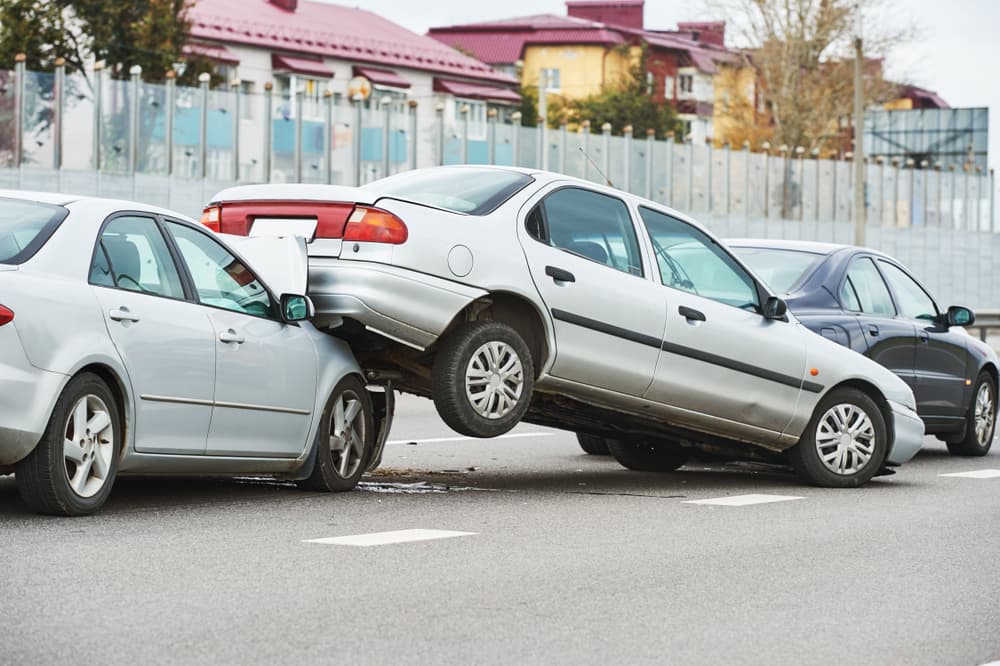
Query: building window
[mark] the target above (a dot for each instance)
(476, 117)
(285, 87)
(687, 83)
(550, 79)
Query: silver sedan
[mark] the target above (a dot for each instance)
(508, 294)
(134, 341)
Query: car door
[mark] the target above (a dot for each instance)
(891, 338)
(720, 358)
(584, 257)
(265, 369)
(165, 340)
(941, 356)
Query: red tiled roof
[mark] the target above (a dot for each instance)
(333, 31)
(382, 77)
(473, 91)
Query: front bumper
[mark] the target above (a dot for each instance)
(909, 431)
(403, 305)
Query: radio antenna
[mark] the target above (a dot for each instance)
(594, 164)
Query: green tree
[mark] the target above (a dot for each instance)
(37, 28)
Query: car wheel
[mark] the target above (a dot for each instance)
(72, 470)
(344, 441)
(482, 379)
(981, 420)
(844, 444)
(592, 444)
(647, 456)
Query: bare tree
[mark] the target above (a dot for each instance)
(801, 50)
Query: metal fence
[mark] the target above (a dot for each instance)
(175, 146)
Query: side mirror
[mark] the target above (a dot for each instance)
(774, 308)
(295, 307)
(959, 316)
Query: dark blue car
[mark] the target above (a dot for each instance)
(867, 301)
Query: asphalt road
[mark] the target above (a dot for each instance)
(571, 559)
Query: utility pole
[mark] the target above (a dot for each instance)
(859, 127)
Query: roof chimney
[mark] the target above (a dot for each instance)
(706, 32)
(287, 5)
(623, 13)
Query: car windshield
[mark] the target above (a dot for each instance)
(24, 227)
(781, 270)
(467, 190)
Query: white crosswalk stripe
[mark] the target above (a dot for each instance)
(744, 500)
(385, 538)
(977, 474)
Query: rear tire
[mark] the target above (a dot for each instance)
(344, 441)
(482, 379)
(72, 470)
(981, 420)
(844, 444)
(592, 444)
(647, 456)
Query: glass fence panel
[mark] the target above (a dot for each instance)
(39, 116)
(637, 158)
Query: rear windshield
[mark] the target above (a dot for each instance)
(781, 270)
(24, 227)
(470, 191)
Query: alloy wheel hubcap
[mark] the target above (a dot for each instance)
(494, 380)
(88, 446)
(984, 415)
(845, 439)
(347, 434)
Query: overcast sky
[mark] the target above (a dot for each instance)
(957, 53)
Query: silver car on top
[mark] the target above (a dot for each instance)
(508, 294)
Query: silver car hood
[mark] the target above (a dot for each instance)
(281, 261)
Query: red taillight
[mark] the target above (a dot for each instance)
(6, 315)
(376, 226)
(212, 218)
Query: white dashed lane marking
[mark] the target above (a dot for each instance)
(744, 500)
(978, 474)
(431, 440)
(385, 538)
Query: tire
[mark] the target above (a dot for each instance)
(841, 460)
(647, 456)
(482, 379)
(981, 420)
(342, 452)
(592, 444)
(72, 470)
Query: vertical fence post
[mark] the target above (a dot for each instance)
(386, 103)
(268, 125)
(491, 136)
(59, 109)
(562, 146)
(168, 122)
(746, 180)
(816, 194)
(542, 147)
(911, 199)
(133, 120)
(650, 147)
(605, 151)
(784, 181)
(328, 130)
(881, 190)
(801, 153)
(923, 192)
(993, 218)
(356, 136)
(939, 176)
(20, 72)
(203, 80)
(727, 156)
(895, 193)
(585, 130)
(98, 113)
(234, 87)
(766, 147)
(951, 196)
(979, 198)
(710, 153)
(966, 216)
(670, 168)
(515, 141)
(412, 106)
(297, 136)
(464, 111)
(690, 183)
(627, 149)
(439, 109)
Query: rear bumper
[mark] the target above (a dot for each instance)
(909, 430)
(403, 305)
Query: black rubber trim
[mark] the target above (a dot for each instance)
(681, 350)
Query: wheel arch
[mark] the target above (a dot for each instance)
(875, 394)
(116, 385)
(993, 371)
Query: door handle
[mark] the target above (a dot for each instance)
(691, 314)
(559, 274)
(122, 314)
(231, 336)
(873, 329)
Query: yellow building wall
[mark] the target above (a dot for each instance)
(584, 69)
(733, 114)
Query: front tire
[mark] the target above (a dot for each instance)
(844, 444)
(981, 420)
(72, 470)
(482, 379)
(344, 441)
(646, 456)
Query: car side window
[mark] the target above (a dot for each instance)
(913, 301)
(592, 225)
(220, 279)
(871, 294)
(691, 261)
(133, 255)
